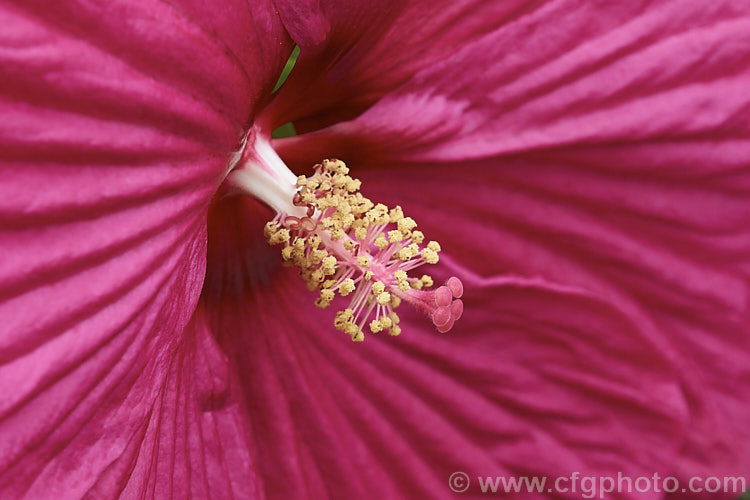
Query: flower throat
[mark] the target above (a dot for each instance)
(344, 244)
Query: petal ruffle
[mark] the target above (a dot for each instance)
(119, 122)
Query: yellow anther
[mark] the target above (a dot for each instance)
(280, 236)
(317, 276)
(343, 318)
(404, 286)
(384, 298)
(301, 181)
(394, 330)
(329, 165)
(363, 261)
(329, 265)
(375, 326)
(332, 200)
(308, 198)
(396, 214)
(378, 215)
(349, 245)
(378, 287)
(317, 256)
(326, 296)
(404, 254)
(426, 280)
(360, 204)
(430, 256)
(354, 332)
(400, 275)
(337, 234)
(396, 319)
(342, 168)
(351, 329)
(339, 180)
(336, 217)
(353, 185)
(413, 249)
(417, 237)
(386, 322)
(286, 253)
(347, 220)
(270, 228)
(335, 166)
(347, 287)
(434, 246)
(368, 275)
(360, 233)
(407, 253)
(406, 224)
(381, 242)
(323, 203)
(395, 236)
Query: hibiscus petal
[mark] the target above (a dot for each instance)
(369, 48)
(669, 253)
(602, 146)
(672, 253)
(512, 390)
(567, 73)
(119, 122)
(164, 56)
(196, 439)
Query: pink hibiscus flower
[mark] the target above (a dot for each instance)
(585, 165)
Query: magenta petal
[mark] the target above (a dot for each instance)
(668, 249)
(536, 379)
(119, 122)
(84, 339)
(532, 387)
(197, 440)
(151, 63)
(566, 73)
(608, 151)
(370, 48)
